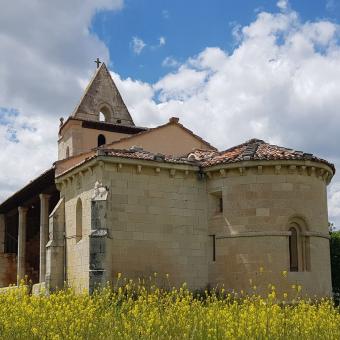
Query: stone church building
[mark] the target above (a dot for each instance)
(135, 200)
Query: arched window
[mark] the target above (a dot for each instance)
(101, 140)
(79, 220)
(299, 247)
(293, 250)
(67, 152)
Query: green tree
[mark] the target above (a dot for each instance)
(335, 261)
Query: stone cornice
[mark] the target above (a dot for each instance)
(279, 167)
(288, 167)
(101, 161)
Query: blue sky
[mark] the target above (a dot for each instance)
(188, 27)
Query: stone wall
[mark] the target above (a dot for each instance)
(158, 225)
(77, 249)
(253, 232)
(79, 139)
(8, 269)
(161, 217)
(156, 222)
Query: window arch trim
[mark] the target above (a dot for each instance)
(106, 111)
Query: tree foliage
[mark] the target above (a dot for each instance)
(335, 260)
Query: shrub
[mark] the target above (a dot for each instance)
(335, 263)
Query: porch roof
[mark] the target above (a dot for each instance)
(44, 183)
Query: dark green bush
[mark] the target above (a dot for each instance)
(335, 262)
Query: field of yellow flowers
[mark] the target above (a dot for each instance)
(132, 311)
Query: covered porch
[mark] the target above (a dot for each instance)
(24, 225)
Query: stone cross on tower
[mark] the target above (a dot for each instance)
(98, 62)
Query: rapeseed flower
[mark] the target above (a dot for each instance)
(133, 310)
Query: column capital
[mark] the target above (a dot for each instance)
(44, 196)
(22, 210)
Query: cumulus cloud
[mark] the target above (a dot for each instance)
(47, 53)
(137, 45)
(282, 4)
(334, 202)
(280, 83)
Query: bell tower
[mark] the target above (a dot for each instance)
(101, 117)
(102, 101)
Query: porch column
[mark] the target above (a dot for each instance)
(21, 243)
(44, 200)
(2, 233)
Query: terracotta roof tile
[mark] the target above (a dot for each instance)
(254, 149)
(139, 153)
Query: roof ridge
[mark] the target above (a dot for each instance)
(170, 122)
(249, 141)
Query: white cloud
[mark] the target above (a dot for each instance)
(334, 202)
(282, 4)
(137, 45)
(236, 31)
(280, 83)
(170, 62)
(162, 41)
(180, 85)
(46, 52)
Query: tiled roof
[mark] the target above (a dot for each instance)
(254, 149)
(139, 153)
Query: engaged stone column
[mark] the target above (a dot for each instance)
(21, 243)
(44, 200)
(2, 233)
